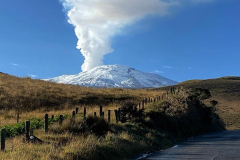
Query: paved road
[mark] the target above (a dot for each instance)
(223, 145)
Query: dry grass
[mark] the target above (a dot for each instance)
(34, 98)
(68, 146)
(121, 141)
(28, 94)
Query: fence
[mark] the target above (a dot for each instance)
(141, 105)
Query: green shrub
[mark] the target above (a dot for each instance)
(130, 112)
(16, 129)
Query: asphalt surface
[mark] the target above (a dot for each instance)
(224, 145)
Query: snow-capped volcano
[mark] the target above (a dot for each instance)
(114, 76)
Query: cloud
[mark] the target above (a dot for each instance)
(17, 65)
(169, 67)
(97, 21)
(14, 64)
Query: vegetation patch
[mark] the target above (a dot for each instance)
(178, 114)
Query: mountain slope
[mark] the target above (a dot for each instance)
(114, 76)
(226, 91)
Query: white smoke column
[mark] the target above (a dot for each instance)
(96, 21)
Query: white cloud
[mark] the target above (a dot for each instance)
(17, 65)
(14, 64)
(169, 67)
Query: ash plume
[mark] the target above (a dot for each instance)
(97, 21)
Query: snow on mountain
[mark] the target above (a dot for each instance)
(114, 76)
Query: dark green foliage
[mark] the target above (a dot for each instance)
(57, 117)
(200, 93)
(187, 117)
(158, 120)
(130, 112)
(16, 129)
(36, 123)
(97, 125)
(19, 128)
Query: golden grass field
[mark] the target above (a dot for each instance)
(36, 97)
(33, 98)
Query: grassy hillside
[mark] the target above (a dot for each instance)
(226, 91)
(30, 97)
(31, 94)
(161, 124)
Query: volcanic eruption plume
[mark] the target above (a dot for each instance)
(96, 21)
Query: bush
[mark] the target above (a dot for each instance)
(94, 125)
(200, 93)
(130, 112)
(97, 125)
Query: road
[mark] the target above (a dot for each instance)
(224, 145)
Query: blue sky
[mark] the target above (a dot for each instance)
(193, 41)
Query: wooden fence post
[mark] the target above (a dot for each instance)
(17, 117)
(76, 110)
(100, 111)
(109, 116)
(119, 114)
(139, 105)
(154, 100)
(52, 117)
(95, 114)
(3, 137)
(73, 114)
(116, 115)
(102, 116)
(60, 119)
(46, 123)
(84, 112)
(146, 100)
(27, 129)
(143, 105)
